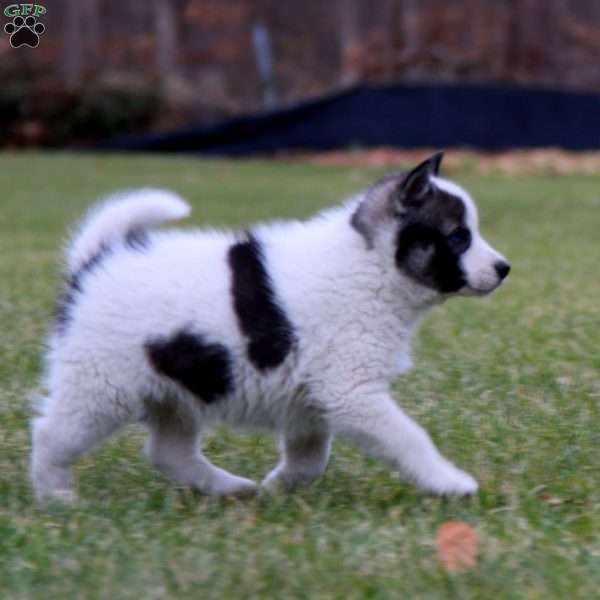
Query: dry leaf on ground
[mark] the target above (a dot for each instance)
(457, 544)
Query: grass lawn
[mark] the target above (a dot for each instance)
(509, 388)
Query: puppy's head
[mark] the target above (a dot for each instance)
(430, 226)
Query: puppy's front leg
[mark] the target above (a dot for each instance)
(376, 423)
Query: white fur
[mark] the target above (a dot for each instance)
(479, 260)
(353, 311)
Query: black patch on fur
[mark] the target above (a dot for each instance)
(137, 239)
(73, 287)
(431, 239)
(64, 306)
(261, 319)
(201, 367)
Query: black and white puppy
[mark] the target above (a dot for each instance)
(298, 327)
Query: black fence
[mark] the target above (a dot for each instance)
(487, 118)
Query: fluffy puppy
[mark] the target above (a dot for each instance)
(298, 327)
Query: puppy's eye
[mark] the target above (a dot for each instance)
(460, 238)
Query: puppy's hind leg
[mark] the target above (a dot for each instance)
(173, 449)
(64, 431)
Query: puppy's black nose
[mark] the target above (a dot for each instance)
(502, 268)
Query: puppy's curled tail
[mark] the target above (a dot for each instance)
(118, 215)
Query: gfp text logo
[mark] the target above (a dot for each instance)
(24, 29)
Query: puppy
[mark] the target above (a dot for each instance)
(298, 327)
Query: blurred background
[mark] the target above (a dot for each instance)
(510, 387)
(408, 73)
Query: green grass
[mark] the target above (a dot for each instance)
(509, 387)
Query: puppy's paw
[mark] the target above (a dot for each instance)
(245, 490)
(450, 481)
(57, 497)
(286, 479)
(232, 485)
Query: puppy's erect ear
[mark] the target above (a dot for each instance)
(391, 196)
(415, 184)
(436, 160)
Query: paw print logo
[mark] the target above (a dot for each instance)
(24, 32)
